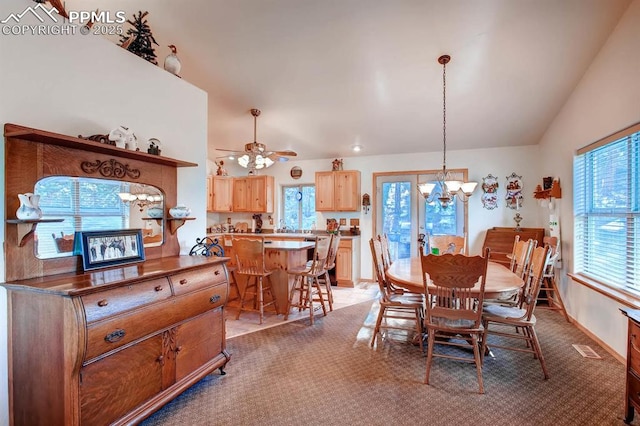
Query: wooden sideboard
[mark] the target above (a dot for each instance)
(500, 241)
(632, 388)
(112, 346)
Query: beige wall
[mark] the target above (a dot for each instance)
(86, 85)
(606, 100)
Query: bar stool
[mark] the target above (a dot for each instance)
(331, 263)
(250, 261)
(306, 281)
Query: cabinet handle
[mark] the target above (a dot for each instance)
(160, 359)
(158, 288)
(183, 281)
(103, 302)
(178, 349)
(216, 272)
(214, 298)
(115, 336)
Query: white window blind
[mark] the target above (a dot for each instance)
(607, 210)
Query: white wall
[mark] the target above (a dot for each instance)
(606, 100)
(86, 85)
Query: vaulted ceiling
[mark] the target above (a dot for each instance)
(330, 74)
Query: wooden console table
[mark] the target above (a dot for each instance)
(112, 346)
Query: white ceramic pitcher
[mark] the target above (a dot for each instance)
(29, 207)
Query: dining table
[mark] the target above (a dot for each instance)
(501, 282)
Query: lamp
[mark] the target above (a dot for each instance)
(449, 187)
(254, 158)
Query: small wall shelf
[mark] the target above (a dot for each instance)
(26, 228)
(554, 192)
(176, 222)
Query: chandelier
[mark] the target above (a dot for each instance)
(448, 186)
(255, 157)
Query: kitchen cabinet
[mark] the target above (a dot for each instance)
(112, 346)
(253, 194)
(338, 191)
(219, 193)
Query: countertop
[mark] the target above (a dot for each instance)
(279, 235)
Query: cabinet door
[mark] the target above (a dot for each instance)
(343, 266)
(209, 193)
(221, 194)
(240, 195)
(198, 341)
(325, 191)
(347, 190)
(118, 383)
(260, 190)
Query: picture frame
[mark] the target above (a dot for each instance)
(101, 249)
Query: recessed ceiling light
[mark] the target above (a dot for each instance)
(357, 148)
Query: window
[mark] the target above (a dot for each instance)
(299, 207)
(607, 210)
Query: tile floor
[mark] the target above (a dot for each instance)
(249, 322)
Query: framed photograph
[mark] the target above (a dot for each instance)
(101, 249)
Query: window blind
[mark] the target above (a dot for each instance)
(606, 210)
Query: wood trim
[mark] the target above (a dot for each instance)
(41, 136)
(611, 138)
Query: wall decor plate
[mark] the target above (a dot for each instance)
(514, 191)
(490, 192)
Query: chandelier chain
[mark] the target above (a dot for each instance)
(444, 115)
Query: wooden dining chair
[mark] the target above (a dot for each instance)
(500, 320)
(454, 307)
(549, 292)
(250, 262)
(396, 310)
(306, 283)
(521, 255)
(452, 244)
(386, 251)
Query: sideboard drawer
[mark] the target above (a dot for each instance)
(101, 305)
(193, 280)
(108, 335)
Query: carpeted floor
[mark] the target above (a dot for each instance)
(327, 374)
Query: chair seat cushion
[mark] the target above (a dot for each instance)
(448, 323)
(505, 313)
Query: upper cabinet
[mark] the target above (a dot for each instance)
(253, 194)
(219, 193)
(338, 191)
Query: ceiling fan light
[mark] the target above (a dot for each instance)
(244, 161)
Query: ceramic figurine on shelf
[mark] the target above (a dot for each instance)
(336, 165)
(221, 171)
(154, 146)
(172, 62)
(124, 138)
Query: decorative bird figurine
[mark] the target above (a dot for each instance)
(171, 62)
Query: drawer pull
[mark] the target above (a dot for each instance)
(178, 349)
(158, 288)
(160, 359)
(115, 336)
(216, 272)
(183, 281)
(214, 298)
(103, 302)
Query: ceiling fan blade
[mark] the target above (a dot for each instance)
(229, 150)
(276, 157)
(286, 153)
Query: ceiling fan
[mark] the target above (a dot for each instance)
(255, 154)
